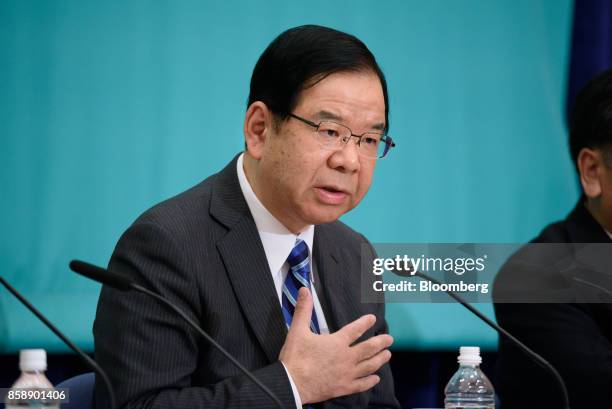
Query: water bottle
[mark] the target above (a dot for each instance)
(32, 389)
(469, 387)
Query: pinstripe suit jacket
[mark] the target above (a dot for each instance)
(201, 249)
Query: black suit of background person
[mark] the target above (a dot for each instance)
(205, 250)
(575, 337)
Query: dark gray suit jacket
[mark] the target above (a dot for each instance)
(576, 338)
(201, 249)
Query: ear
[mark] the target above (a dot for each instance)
(257, 128)
(590, 163)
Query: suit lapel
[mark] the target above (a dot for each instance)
(249, 272)
(337, 305)
(245, 261)
(334, 301)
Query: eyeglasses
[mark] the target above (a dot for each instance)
(332, 136)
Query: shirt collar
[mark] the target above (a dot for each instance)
(277, 240)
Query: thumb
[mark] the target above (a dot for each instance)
(303, 310)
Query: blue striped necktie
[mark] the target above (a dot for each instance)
(297, 277)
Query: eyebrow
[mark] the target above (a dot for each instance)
(326, 115)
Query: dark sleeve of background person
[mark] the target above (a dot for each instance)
(153, 358)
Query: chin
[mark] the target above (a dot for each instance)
(322, 216)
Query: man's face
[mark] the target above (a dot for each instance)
(302, 183)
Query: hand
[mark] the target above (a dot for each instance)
(327, 366)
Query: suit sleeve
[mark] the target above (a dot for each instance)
(149, 352)
(383, 394)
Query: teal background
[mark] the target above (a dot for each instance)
(106, 108)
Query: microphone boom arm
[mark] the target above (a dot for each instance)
(90, 362)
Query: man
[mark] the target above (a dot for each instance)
(255, 253)
(576, 337)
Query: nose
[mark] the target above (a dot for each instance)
(346, 159)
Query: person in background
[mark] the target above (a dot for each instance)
(576, 337)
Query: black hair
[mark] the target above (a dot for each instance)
(302, 56)
(591, 117)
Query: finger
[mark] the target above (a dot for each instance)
(303, 310)
(366, 383)
(373, 364)
(371, 347)
(353, 330)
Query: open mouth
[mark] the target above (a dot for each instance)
(330, 195)
(332, 190)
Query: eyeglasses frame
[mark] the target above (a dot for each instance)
(386, 139)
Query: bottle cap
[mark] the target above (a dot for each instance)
(469, 356)
(32, 360)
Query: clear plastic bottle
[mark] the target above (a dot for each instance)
(469, 387)
(32, 364)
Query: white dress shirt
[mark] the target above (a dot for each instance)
(278, 242)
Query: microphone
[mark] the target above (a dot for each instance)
(101, 275)
(528, 351)
(90, 362)
(596, 286)
(122, 283)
